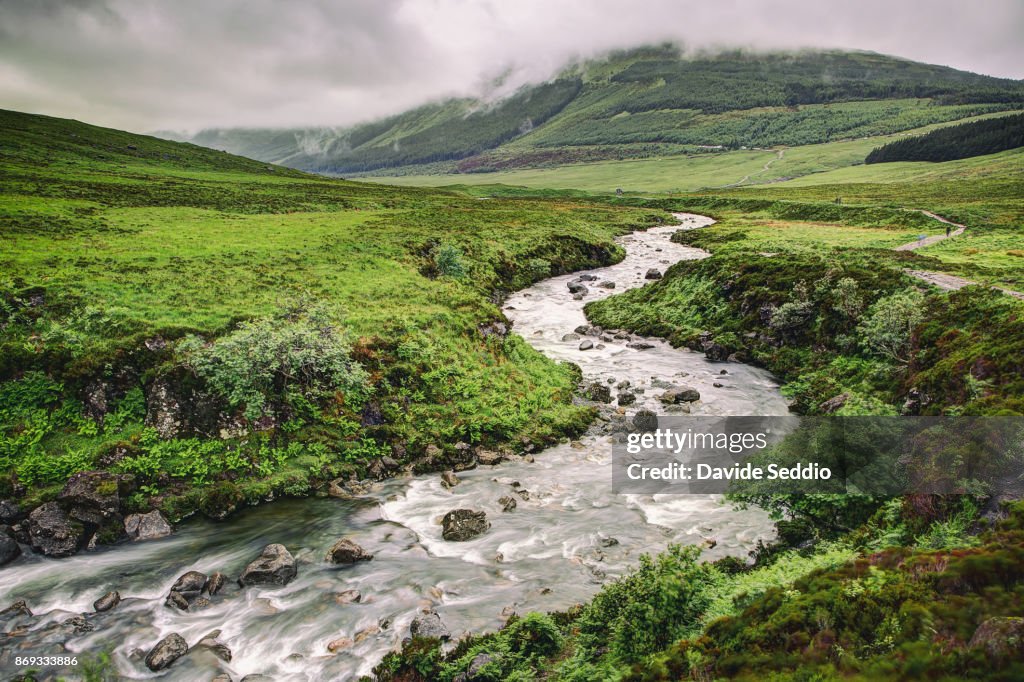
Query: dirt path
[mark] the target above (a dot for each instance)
(941, 279)
(778, 155)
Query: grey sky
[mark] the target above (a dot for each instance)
(186, 64)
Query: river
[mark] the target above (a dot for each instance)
(554, 550)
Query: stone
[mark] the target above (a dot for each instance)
(640, 345)
(348, 597)
(274, 566)
(149, 526)
(586, 344)
(583, 329)
(1001, 638)
(107, 602)
(347, 552)
(449, 479)
(52, 533)
(215, 583)
(189, 584)
(167, 651)
(214, 645)
(429, 625)
(10, 512)
(9, 549)
(598, 392)
(94, 496)
(488, 457)
(177, 601)
(834, 403)
(653, 273)
(460, 525)
(609, 542)
(683, 394)
(577, 288)
(336, 645)
(626, 398)
(716, 352)
(607, 284)
(645, 420)
(570, 337)
(507, 502)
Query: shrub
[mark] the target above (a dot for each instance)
(887, 328)
(263, 360)
(448, 259)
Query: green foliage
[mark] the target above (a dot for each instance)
(889, 325)
(261, 362)
(449, 260)
(955, 142)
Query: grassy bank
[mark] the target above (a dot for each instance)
(227, 331)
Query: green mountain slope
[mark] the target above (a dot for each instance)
(642, 103)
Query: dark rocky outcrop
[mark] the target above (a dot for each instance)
(489, 457)
(460, 525)
(52, 533)
(10, 512)
(347, 552)
(429, 625)
(626, 398)
(167, 651)
(1001, 638)
(598, 392)
(94, 497)
(274, 566)
(9, 549)
(507, 502)
(449, 479)
(653, 273)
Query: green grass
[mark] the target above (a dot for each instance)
(110, 240)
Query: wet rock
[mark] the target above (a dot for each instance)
(215, 583)
(640, 345)
(18, 609)
(167, 651)
(724, 371)
(507, 502)
(623, 385)
(149, 526)
(463, 457)
(460, 525)
(347, 552)
(681, 394)
(609, 542)
(488, 457)
(10, 512)
(577, 297)
(576, 287)
(653, 273)
(570, 337)
(107, 601)
(626, 398)
(528, 459)
(607, 284)
(214, 645)
(177, 601)
(274, 566)
(429, 625)
(52, 533)
(222, 677)
(189, 584)
(390, 463)
(1001, 638)
(586, 344)
(645, 420)
(199, 603)
(348, 597)
(718, 384)
(587, 278)
(449, 479)
(716, 352)
(376, 470)
(9, 549)
(336, 645)
(523, 494)
(256, 677)
(598, 392)
(709, 543)
(583, 329)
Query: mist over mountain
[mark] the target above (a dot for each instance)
(642, 102)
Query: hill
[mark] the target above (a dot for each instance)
(642, 103)
(226, 331)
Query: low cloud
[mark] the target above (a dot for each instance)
(189, 64)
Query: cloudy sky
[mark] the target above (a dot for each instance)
(187, 64)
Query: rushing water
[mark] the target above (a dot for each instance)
(546, 555)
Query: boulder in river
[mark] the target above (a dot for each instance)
(576, 287)
(626, 398)
(52, 533)
(583, 329)
(189, 584)
(149, 526)
(607, 284)
(167, 651)
(429, 625)
(9, 549)
(488, 457)
(10, 512)
(645, 421)
(716, 352)
(598, 392)
(212, 643)
(586, 344)
(449, 479)
(679, 394)
(274, 566)
(107, 601)
(215, 583)
(507, 502)
(640, 345)
(347, 552)
(570, 337)
(653, 273)
(460, 525)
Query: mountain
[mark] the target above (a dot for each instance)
(644, 102)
